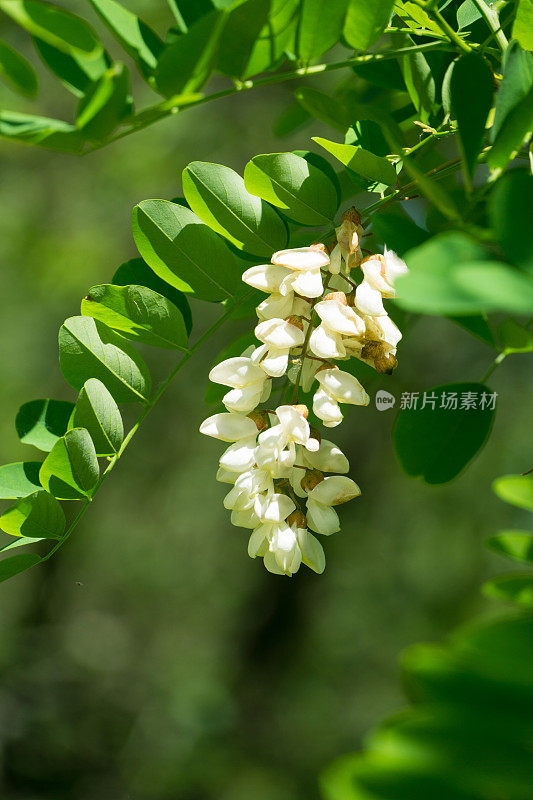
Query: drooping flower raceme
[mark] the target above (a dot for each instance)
(321, 306)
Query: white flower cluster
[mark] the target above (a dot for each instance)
(275, 460)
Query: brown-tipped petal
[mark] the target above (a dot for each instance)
(260, 418)
(386, 365)
(296, 321)
(303, 410)
(375, 257)
(311, 479)
(297, 518)
(352, 215)
(338, 297)
(319, 247)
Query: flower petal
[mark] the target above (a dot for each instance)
(322, 519)
(228, 427)
(265, 277)
(335, 490)
(301, 258)
(368, 300)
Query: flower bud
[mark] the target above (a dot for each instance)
(352, 215)
(298, 519)
(311, 479)
(260, 418)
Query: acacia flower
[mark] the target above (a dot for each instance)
(332, 491)
(249, 383)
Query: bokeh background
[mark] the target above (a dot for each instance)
(151, 659)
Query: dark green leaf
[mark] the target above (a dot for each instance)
(137, 39)
(106, 103)
(517, 81)
(320, 27)
(515, 489)
(515, 338)
(70, 471)
(398, 231)
(517, 545)
(138, 272)
(137, 313)
(478, 326)
(185, 64)
(304, 193)
(360, 161)
(37, 516)
(471, 91)
(89, 349)
(54, 25)
(291, 119)
(44, 131)
(218, 195)
(19, 479)
(385, 74)
(16, 564)
(518, 125)
(184, 252)
(513, 588)
(451, 423)
(367, 133)
(523, 24)
(243, 27)
(420, 84)
(97, 411)
(42, 422)
(75, 70)
(510, 207)
(17, 71)
(365, 22)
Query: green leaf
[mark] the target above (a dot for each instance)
(398, 231)
(138, 272)
(242, 29)
(320, 27)
(76, 70)
(42, 422)
(517, 80)
(513, 588)
(515, 489)
(19, 479)
(97, 411)
(17, 71)
(23, 541)
(184, 252)
(137, 39)
(446, 278)
(37, 516)
(185, 64)
(523, 24)
(449, 426)
(360, 161)
(385, 74)
(276, 39)
(218, 195)
(518, 125)
(16, 564)
(471, 91)
(137, 313)
(303, 192)
(365, 22)
(515, 338)
(53, 134)
(89, 349)
(322, 164)
(324, 107)
(106, 103)
(367, 133)
(510, 206)
(70, 471)
(478, 326)
(517, 545)
(54, 25)
(420, 84)
(291, 119)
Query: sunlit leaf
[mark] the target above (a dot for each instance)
(185, 252)
(365, 21)
(515, 489)
(19, 479)
(448, 427)
(53, 134)
(513, 588)
(515, 338)
(54, 25)
(106, 103)
(320, 27)
(517, 80)
(76, 70)
(420, 84)
(42, 422)
(17, 71)
(523, 24)
(37, 516)
(137, 39)
(517, 545)
(518, 125)
(89, 349)
(97, 411)
(304, 193)
(218, 195)
(70, 471)
(243, 26)
(360, 161)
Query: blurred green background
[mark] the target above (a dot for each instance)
(151, 659)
